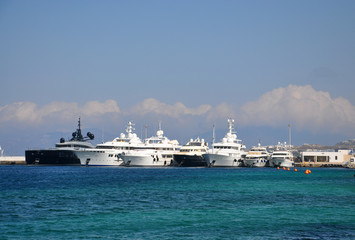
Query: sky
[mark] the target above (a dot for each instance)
(189, 64)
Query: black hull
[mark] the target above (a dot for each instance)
(52, 157)
(189, 161)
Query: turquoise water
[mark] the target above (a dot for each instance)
(45, 202)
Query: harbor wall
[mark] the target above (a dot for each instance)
(12, 160)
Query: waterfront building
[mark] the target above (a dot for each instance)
(325, 158)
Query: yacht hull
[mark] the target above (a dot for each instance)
(182, 160)
(145, 161)
(51, 157)
(99, 158)
(279, 162)
(218, 160)
(255, 162)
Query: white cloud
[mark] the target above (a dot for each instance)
(29, 113)
(221, 112)
(177, 110)
(303, 107)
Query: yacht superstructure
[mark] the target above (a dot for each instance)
(228, 152)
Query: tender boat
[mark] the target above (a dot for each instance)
(227, 153)
(157, 151)
(190, 154)
(257, 157)
(63, 152)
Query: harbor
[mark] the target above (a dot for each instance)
(129, 150)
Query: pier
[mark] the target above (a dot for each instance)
(12, 160)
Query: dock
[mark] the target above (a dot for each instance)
(12, 160)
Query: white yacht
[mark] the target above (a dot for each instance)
(227, 153)
(281, 157)
(106, 154)
(257, 157)
(157, 152)
(190, 155)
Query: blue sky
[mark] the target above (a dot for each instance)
(191, 64)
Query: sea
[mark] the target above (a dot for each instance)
(74, 202)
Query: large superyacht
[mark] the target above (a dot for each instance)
(157, 152)
(190, 154)
(227, 153)
(107, 153)
(63, 152)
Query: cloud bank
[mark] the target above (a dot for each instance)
(151, 105)
(29, 114)
(303, 107)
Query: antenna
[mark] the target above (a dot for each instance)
(146, 127)
(102, 134)
(213, 138)
(230, 124)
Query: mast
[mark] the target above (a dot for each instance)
(230, 125)
(213, 138)
(146, 127)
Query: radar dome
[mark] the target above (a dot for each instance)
(90, 135)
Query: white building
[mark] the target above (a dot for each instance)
(330, 157)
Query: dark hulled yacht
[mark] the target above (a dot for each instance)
(62, 153)
(190, 155)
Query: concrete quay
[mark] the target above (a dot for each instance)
(12, 160)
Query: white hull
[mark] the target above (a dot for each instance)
(99, 158)
(255, 162)
(218, 160)
(145, 161)
(280, 162)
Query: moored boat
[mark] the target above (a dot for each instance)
(257, 157)
(107, 153)
(227, 153)
(190, 154)
(157, 151)
(281, 157)
(63, 152)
